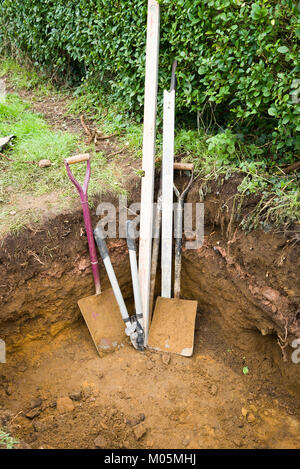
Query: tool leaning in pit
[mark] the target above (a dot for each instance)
(136, 284)
(100, 311)
(133, 327)
(173, 325)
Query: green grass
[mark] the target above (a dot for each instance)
(221, 156)
(7, 440)
(25, 77)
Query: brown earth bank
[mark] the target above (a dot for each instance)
(60, 394)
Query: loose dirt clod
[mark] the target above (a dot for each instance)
(213, 390)
(36, 402)
(166, 358)
(100, 442)
(139, 431)
(64, 404)
(251, 418)
(31, 414)
(76, 395)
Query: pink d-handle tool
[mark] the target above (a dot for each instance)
(86, 211)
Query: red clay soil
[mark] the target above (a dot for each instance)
(56, 392)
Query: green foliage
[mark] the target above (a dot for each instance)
(238, 62)
(221, 156)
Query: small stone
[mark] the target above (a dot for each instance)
(39, 426)
(22, 368)
(76, 395)
(244, 412)
(214, 390)
(136, 420)
(64, 404)
(251, 418)
(253, 408)
(126, 444)
(238, 443)
(8, 389)
(35, 402)
(44, 163)
(139, 431)
(13, 212)
(150, 443)
(5, 417)
(149, 366)
(186, 440)
(100, 442)
(166, 358)
(33, 413)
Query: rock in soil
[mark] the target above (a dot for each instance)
(139, 431)
(36, 402)
(186, 441)
(44, 163)
(76, 395)
(213, 390)
(33, 413)
(100, 442)
(251, 418)
(136, 420)
(5, 417)
(64, 404)
(166, 359)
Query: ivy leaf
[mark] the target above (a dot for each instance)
(272, 111)
(283, 49)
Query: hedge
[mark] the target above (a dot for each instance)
(238, 62)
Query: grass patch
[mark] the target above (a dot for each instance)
(7, 440)
(25, 77)
(222, 155)
(36, 141)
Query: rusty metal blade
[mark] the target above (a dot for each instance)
(103, 318)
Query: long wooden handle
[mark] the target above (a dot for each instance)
(183, 166)
(78, 158)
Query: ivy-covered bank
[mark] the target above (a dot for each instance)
(238, 61)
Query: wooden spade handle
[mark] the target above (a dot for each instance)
(78, 158)
(183, 166)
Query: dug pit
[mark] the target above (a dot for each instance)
(239, 390)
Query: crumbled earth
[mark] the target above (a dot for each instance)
(118, 402)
